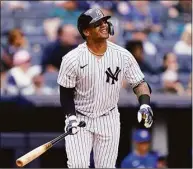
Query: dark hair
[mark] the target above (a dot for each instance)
(133, 44)
(13, 34)
(60, 30)
(165, 56)
(2, 67)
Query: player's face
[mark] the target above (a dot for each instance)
(99, 30)
(143, 147)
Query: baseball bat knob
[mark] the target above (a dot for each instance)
(82, 124)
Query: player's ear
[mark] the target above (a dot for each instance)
(86, 32)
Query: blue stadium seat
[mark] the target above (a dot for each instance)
(173, 29)
(32, 26)
(37, 43)
(185, 63)
(24, 14)
(32, 13)
(156, 8)
(36, 5)
(7, 23)
(43, 40)
(166, 46)
(150, 58)
(3, 40)
(184, 78)
(159, 58)
(6, 13)
(154, 81)
(51, 79)
(36, 53)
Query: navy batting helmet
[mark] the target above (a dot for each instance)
(91, 16)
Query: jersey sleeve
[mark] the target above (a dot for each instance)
(67, 73)
(133, 73)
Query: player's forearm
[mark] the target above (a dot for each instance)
(141, 89)
(143, 93)
(67, 100)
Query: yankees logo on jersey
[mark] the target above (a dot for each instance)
(111, 75)
(97, 80)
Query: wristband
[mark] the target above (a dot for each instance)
(144, 99)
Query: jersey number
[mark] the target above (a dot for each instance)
(113, 76)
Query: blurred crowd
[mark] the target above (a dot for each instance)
(35, 35)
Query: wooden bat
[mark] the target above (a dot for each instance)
(32, 155)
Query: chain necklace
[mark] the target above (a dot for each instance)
(95, 53)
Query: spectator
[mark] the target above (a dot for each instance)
(169, 11)
(168, 4)
(15, 5)
(108, 9)
(22, 79)
(16, 41)
(161, 159)
(142, 17)
(123, 8)
(170, 75)
(140, 157)
(68, 12)
(67, 39)
(183, 9)
(137, 50)
(184, 46)
(142, 35)
(39, 86)
(19, 81)
(161, 162)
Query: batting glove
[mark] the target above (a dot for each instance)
(145, 113)
(71, 124)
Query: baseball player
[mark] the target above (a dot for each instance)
(140, 157)
(90, 79)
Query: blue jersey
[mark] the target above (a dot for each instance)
(133, 160)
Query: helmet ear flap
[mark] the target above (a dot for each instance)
(111, 28)
(81, 32)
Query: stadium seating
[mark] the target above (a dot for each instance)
(184, 79)
(51, 79)
(31, 19)
(185, 63)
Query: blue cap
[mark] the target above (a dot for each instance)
(141, 135)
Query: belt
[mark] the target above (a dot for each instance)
(100, 116)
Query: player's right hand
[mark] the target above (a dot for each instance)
(71, 124)
(145, 115)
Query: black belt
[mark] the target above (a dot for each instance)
(101, 115)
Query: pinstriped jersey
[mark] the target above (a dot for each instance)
(97, 82)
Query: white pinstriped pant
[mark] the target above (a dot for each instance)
(102, 134)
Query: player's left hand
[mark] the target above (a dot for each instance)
(145, 115)
(71, 124)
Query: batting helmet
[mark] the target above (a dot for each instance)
(91, 16)
(141, 135)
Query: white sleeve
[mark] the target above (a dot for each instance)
(132, 71)
(67, 72)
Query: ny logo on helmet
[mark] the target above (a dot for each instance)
(99, 13)
(113, 76)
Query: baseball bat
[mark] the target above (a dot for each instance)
(32, 155)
